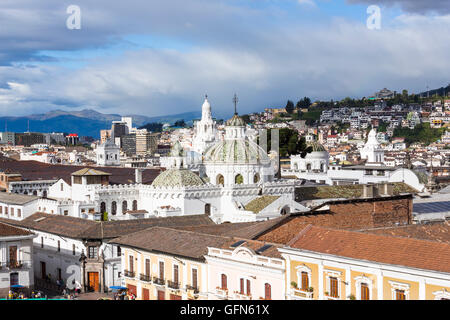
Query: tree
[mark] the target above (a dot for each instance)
(153, 127)
(289, 143)
(290, 107)
(180, 123)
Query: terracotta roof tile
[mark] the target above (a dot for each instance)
(8, 231)
(420, 254)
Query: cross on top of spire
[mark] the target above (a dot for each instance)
(235, 101)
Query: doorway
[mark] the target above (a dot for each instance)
(93, 281)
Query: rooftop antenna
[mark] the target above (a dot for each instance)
(235, 101)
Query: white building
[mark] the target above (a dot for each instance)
(16, 258)
(248, 270)
(108, 154)
(205, 134)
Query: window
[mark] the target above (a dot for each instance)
(334, 287)
(124, 207)
(220, 179)
(12, 212)
(131, 266)
(400, 295)
(1, 209)
(239, 179)
(59, 271)
(6, 210)
(66, 212)
(42, 242)
(161, 269)
(93, 252)
(364, 291)
(19, 213)
(62, 187)
(224, 281)
(245, 287)
(175, 273)
(147, 267)
(268, 291)
(194, 278)
(305, 280)
(59, 246)
(113, 208)
(73, 249)
(135, 207)
(119, 251)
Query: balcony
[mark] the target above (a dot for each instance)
(128, 274)
(242, 296)
(173, 285)
(192, 288)
(159, 281)
(16, 264)
(145, 278)
(222, 292)
(302, 294)
(328, 297)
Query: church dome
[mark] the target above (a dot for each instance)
(236, 151)
(177, 178)
(316, 147)
(235, 121)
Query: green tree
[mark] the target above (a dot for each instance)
(289, 107)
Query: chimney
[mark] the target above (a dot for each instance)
(138, 175)
(368, 191)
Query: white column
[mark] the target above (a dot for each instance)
(380, 285)
(348, 280)
(287, 284)
(320, 280)
(422, 295)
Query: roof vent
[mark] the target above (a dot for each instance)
(263, 248)
(237, 244)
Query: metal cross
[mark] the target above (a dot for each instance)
(235, 101)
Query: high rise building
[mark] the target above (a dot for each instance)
(128, 143)
(146, 142)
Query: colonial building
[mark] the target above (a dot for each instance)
(329, 264)
(16, 258)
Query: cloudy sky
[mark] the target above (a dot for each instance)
(160, 57)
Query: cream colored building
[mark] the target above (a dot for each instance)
(326, 264)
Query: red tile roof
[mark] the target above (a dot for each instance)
(9, 231)
(420, 254)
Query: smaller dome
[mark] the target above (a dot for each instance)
(177, 178)
(109, 144)
(316, 147)
(235, 121)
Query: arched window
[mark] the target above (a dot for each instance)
(135, 205)
(268, 291)
(44, 193)
(102, 207)
(256, 178)
(208, 209)
(322, 167)
(113, 208)
(34, 193)
(239, 179)
(308, 166)
(223, 282)
(220, 179)
(124, 207)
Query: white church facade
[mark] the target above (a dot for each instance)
(235, 183)
(315, 168)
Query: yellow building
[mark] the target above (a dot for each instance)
(329, 264)
(166, 264)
